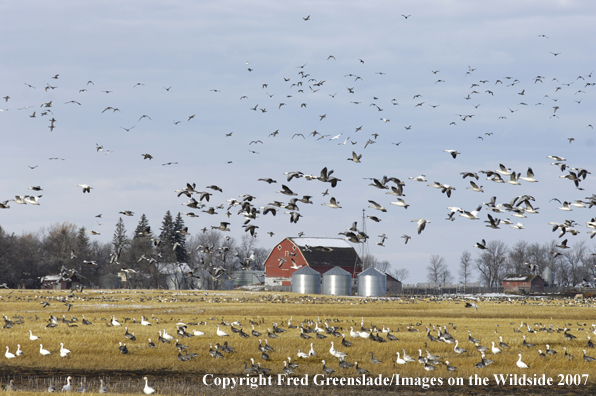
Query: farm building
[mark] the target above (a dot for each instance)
(523, 283)
(321, 254)
(60, 282)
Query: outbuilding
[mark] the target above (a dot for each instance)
(523, 283)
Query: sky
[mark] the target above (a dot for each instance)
(501, 82)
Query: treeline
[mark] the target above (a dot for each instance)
(26, 258)
(571, 265)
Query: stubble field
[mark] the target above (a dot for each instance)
(95, 350)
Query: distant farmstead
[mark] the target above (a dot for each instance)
(523, 283)
(59, 282)
(321, 254)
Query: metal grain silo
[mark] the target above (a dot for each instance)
(372, 283)
(306, 281)
(548, 276)
(337, 282)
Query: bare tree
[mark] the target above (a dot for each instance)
(491, 263)
(436, 269)
(465, 268)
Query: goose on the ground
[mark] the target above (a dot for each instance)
(43, 351)
(312, 350)
(147, 389)
(83, 388)
(33, 337)
(67, 387)
(459, 350)
(337, 353)
(587, 358)
(102, 386)
(292, 365)
(502, 344)
(550, 351)
(122, 348)
(449, 367)
(480, 348)
(302, 354)
(374, 360)
(354, 334)
(494, 349)
(521, 364)
(326, 370)
(526, 343)
(19, 352)
(360, 370)
(63, 351)
(407, 357)
(151, 344)
(287, 370)
(221, 333)
(428, 367)
(9, 355)
(399, 360)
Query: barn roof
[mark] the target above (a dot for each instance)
(520, 277)
(327, 252)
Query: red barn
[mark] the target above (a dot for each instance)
(523, 283)
(321, 254)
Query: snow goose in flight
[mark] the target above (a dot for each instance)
(473, 214)
(376, 206)
(453, 153)
(20, 199)
(504, 170)
(332, 203)
(556, 158)
(400, 202)
(529, 178)
(86, 188)
(421, 224)
(474, 187)
(421, 178)
(519, 226)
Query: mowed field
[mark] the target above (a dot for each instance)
(95, 348)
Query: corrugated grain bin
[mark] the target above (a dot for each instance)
(372, 283)
(337, 282)
(306, 281)
(548, 276)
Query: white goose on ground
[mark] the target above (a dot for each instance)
(9, 355)
(33, 337)
(147, 389)
(336, 353)
(521, 364)
(63, 351)
(19, 352)
(220, 333)
(43, 351)
(399, 360)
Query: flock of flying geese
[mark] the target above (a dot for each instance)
(296, 87)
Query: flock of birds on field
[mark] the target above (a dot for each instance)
(296, 89)
(333, 335)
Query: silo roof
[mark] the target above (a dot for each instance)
(372, 272)
(306, 271)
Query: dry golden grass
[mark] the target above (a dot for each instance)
(95, 348)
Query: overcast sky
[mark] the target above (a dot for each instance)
(433, 75)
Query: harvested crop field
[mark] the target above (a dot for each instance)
(193, 369)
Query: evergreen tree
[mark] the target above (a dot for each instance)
(180, 240)
(167, 239)
(140, 252)
(120, 240)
